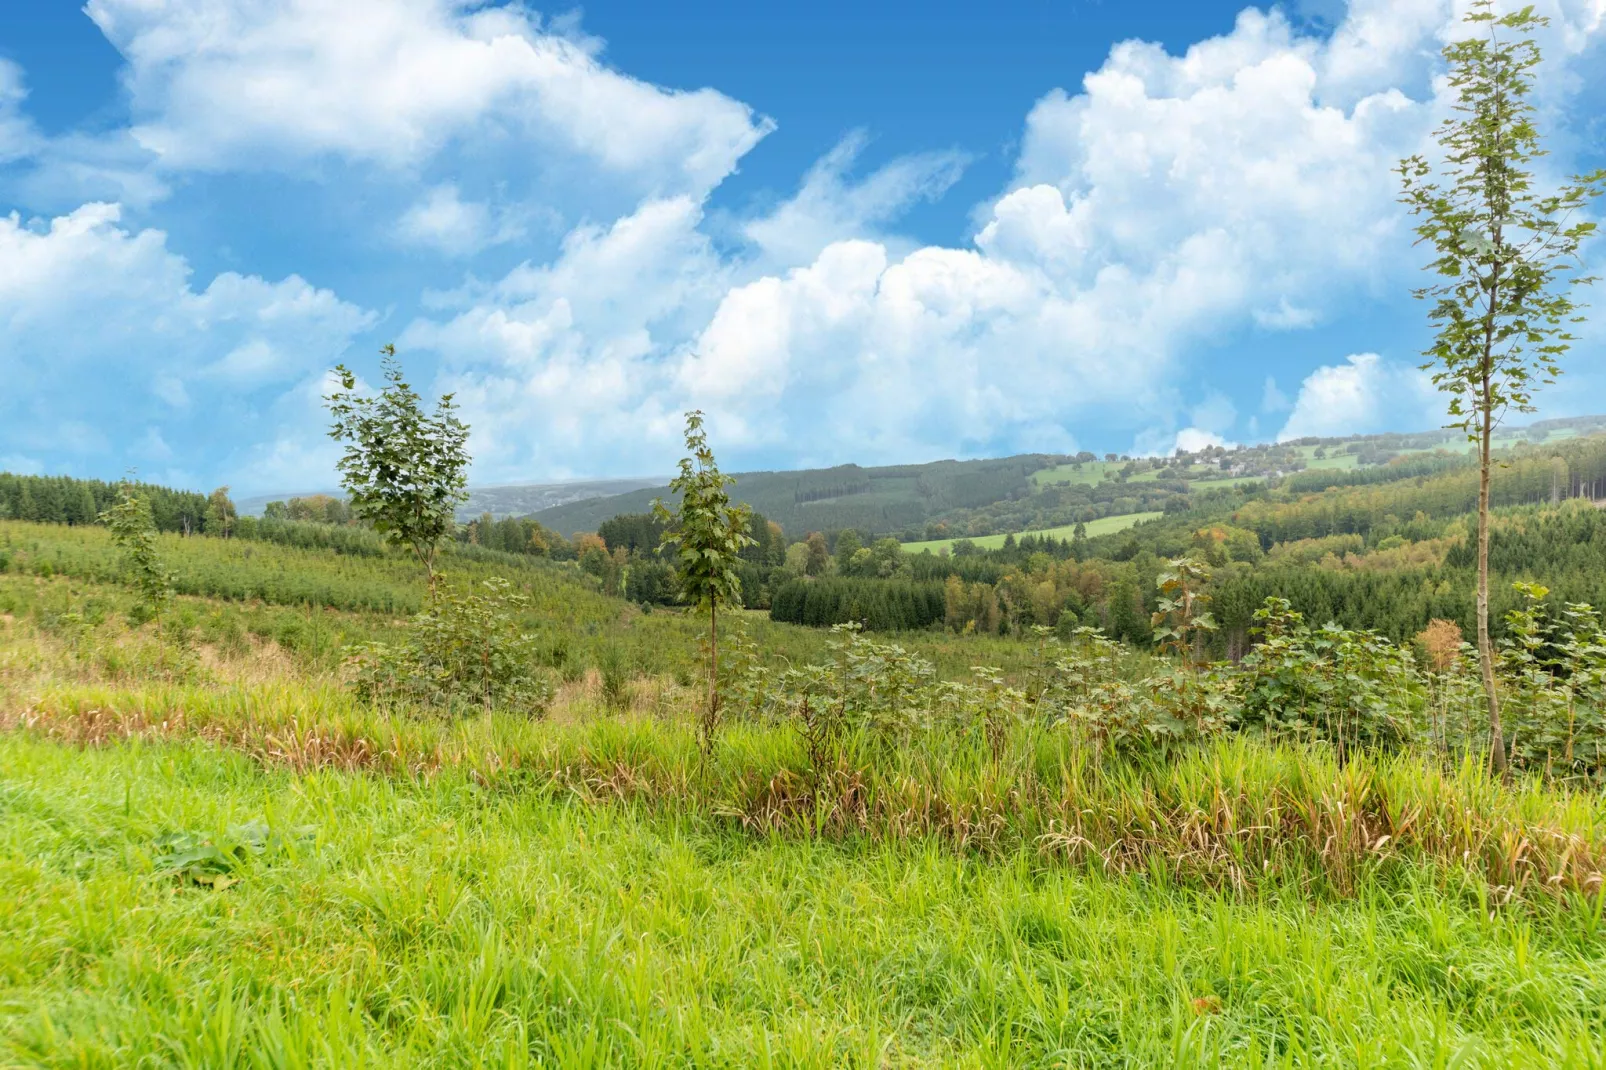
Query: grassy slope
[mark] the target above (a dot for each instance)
(1103, 526)
(520, 893)
(322, 602)
(433, 922)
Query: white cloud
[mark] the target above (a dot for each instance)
(1232, 144)
(444, 221)
(1238, 189)
(830, 206)
(103, 332)
(1194, 439)
(1243, 185)
(1364, 394)
(565, 362)
(222, 83)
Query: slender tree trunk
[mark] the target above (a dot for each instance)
(1497, 743)
(713, 675)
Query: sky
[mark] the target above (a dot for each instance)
(873, 233)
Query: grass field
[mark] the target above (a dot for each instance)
(213, 855)
(584, 891)
(433, 922)
(1103, 526)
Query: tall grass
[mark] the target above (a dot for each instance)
(1234, 813)
(435, 922)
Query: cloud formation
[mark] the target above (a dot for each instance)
(1362, 395)
(85, 291)
(219, 84)
(1174, 197)
(1165, 218)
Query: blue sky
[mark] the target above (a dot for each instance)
(850, 232)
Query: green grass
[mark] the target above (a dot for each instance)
(589, 890)
(1089, 473)
(1216, 483)
(1334, 459)
(245, 570)
(434, 922)
(1103, 526)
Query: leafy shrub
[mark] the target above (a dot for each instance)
(1348, 688)
(1086, 689)
(466, 650)
(1553, 673)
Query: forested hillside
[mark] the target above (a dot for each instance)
(877, 500)
(958, 499)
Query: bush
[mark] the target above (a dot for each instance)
(1348, 688)
(615, 673)
(467, 650)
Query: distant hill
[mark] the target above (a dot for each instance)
(514, 499)
(948, 499)
(889, 499)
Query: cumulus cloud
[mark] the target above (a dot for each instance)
(219, 83)
(1364, 394)
(1194, 439)
(567, 361)
(1238, 190)
(105, 332)
(1242, 185)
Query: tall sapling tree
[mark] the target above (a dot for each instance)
(404, 470)
(133, 529)
(1507, 259)
(708, 534)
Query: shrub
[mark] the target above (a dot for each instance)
(615, 673)
(465, 650)
(1348, 688)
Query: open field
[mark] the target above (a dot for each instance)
(215, 852)
(582, 891)
(437, 922)
(1106, 525)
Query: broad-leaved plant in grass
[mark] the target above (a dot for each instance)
(1553, 676)
(466, 651)
(1352, 689)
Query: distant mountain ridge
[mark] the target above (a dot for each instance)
(512, 499)
(1026, 491)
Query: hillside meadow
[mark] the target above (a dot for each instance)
(1107, 525)
(213, 854)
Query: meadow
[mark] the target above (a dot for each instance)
(1107, 525)
(212, 854)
